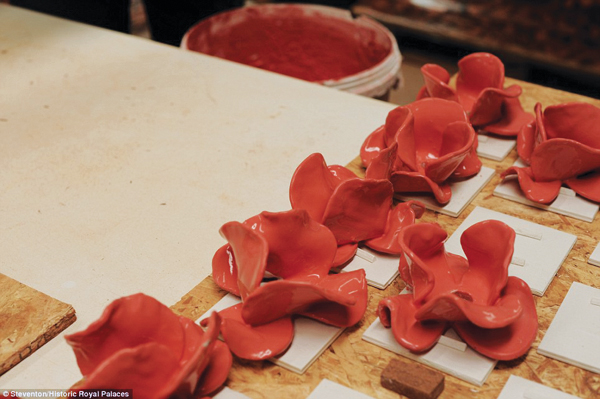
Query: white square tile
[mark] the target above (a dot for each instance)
(328, 390)
(595, 256)
(227, 393)
(567, 203)
(518, 387)
(494, 147)
(458, 360)
(539, 250)
(311, 338)
(574, 334)
(381, 269)
(462, 194)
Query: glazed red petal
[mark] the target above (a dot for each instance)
(372, 146)
(298, 245)
(509, 342)
(488, 107)
(224, 270)
(526, 141)
(436, 82)
(358, 209)
(403, 214)
(451, 307)
(312, 185)
(470, 166)
(398, 312)
(382, 165)
(147, 369)
(562, 159)
(477, 72)
(575, 121)
(540, 192)
(338, 314)
(250, 251)
(255, 342)
(344, 253)
(457, 142)
(216, 371)
(514, 118)
(286, 297)
(489, 247)
(587, 186)
(416, 182)
(125, 324)
(400, 121)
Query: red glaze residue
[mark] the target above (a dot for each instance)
(291, 40)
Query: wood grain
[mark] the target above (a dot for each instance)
(358, 364)
(28, 319)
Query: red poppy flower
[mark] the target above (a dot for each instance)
(480, 90)
(421, 146)
(140, 344)
(561, 147)
(475, 294)
(293, 246)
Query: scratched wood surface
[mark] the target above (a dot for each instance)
(28, 319)
(358, 364)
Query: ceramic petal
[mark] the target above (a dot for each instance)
(402, 215)
(562, 159)
(224, 270)
(401, 122)
(358, 210)
(336, 299)
(344, 254)
(588, 186)
(477, 72)
(297, 244)
(489, 105)
(255, 342)
(540, 192)
(513, 119)
(436, 83)
(372, 146)
(250, 251)
(574, 121)
(398, 312)
(312, 185)
(512, 341)
(382, 165)
(415, 182)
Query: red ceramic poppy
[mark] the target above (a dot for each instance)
(480, 90)
(140, 344)
(353, 209)
(432, 142)
(474, 293)
(285, 244)
(560, 147)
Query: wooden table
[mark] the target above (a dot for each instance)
(358, 364)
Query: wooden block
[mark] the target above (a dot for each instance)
(29, 319)
(412, 380)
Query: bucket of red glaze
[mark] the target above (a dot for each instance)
(318, 44)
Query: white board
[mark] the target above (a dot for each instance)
(574, 334)
(495, 148)
(518, 387)
(381, 269)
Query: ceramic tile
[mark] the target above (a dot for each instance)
(448, 355)
(539, 250)
(311, 338)
(567, 203)
(328, 389)
(518, 387)
(227, 393)
(381, 269)
(494, 148)
(595, 256)
(574, 333)
(462, 194)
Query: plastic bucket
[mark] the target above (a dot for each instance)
(319, 44)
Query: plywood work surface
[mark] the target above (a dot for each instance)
(358, 364)
(28, 319)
